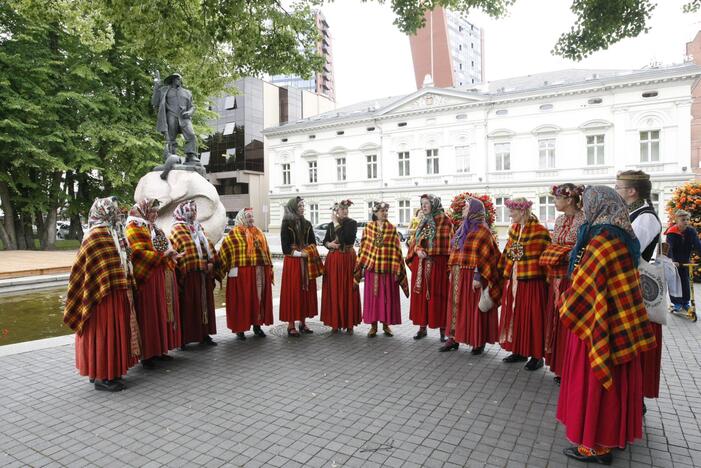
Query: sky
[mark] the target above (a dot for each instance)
(372, 58)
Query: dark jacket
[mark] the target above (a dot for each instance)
(288, 237)
(345, 232)
(681, 244)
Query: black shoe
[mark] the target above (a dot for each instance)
(303, 328)
(449, 347)
(241, 335)
(258, 331)
(208, 341)
(477, 351)
(557, 379)
(513, 357)
(148, 363)
(164, 357)
(573, 452)
(534, 364)
(109, 386)
(420, 334)
(184, 348)
(92, 380)
(443, 338)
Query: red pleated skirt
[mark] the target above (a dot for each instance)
(522, 323)
(192, 307)
(243, 307)
(102, 350)
(651, 362)
(295, 302)
(555, 331)
(595, 417)
(467, 324)
(152, 314)
(383, 305)
(340, 298)
(175, 337)
(428, 307)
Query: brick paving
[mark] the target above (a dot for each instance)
(324, 400)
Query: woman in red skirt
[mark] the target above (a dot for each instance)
(340, 298)
(301, 267)
(475, 282)
(172, 291)
(149, 266)
(555, 259)
(245, 262)
(195, 276)
(101, 312)
(524, 299)
(600, 400)
(428, 260)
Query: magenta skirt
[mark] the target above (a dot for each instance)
(595, 417)
(385, 306)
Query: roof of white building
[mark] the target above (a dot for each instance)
(548, 84)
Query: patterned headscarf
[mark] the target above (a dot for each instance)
(605, 209)
(476, 217)
(144, 212)
(427, 225)
(103, 212)
(186, 213)
(294, 218)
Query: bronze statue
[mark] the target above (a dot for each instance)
(175, 109)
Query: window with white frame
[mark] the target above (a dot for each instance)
(371, 160)
(341, 169)
(595, 150)
(650, 146)
(404, 212)
(312, 172)
(432, 161)
(286, 175)
(655, 199)
(404, 163)
(462, 159)
(314, 213)
(546, 153)
(547, 209)
(502, 154)
(501, 212)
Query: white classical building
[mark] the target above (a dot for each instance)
(508, 138)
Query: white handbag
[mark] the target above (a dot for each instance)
(654, 288)
(486, 303)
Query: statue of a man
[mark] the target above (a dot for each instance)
(175, 109)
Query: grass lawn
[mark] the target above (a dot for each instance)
(69, 244)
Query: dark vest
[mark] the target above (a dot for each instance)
(650, 249)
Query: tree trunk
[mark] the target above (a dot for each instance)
(8, 233)
(28, 231)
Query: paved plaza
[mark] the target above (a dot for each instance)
(324, 400)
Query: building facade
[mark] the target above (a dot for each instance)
(449, 49)
(514, 137)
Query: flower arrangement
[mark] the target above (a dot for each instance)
(458, 203)
(522, 205)
(688, 197)
(566, 191)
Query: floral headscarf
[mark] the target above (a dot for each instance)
(103, 212)
(186, 213)
(476, 217)
(427, 225)
(144, 212)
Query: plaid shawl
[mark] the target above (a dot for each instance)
(604, 306)
(441, 240)
(234, 251)
(96, 272)
(315, 266)
(534, 239)
(381, 252)
(182, 241)
(144, 256)
(480, 251)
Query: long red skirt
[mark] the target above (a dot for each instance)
(175, 337)
(295, 302)
(244, 307)
(651, 362)
(427, 308)
(385, 306)
(555, 331)
(192, 307)
(152, 314)
(595, 417)
(466, 324)
(102, 350)
(522, 324)
(340, 298)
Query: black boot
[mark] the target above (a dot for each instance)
(258, 331)
(208, 341)
(442, 331)
(513, 357)
(534, 364)
(420, 334)
(304, 329)
(241, 335)
(109, 385)
(477, 351)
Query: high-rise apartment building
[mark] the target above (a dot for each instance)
(449, 49)
(322, 82)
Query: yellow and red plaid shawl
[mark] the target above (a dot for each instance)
(144, 257)
(535, 239)
(234, 251)
(181, 239)
(480, 251)
(96, 272)
(604, 306)
(381, 252)
(441, 243)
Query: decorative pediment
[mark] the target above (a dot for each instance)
(546, 130)
(501, 133)
(597, 124)
(426, 99)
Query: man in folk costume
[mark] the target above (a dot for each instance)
(381, 266)
(340, 298)
(99, 305)
(524, 299)
(428, 260)
(195, 276)
(555, 259)
(149, 266)
(475, 282)
(600, 400)
(635, 187)
(245, 262)
(300, 268)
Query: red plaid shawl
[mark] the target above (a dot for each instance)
(480, 251)
(381, 252)
(556, 257)
(604, 306)
(182, 242)
(96, 272)
(315, 266)
(144, 257)
(535, 239)
(441, 243)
